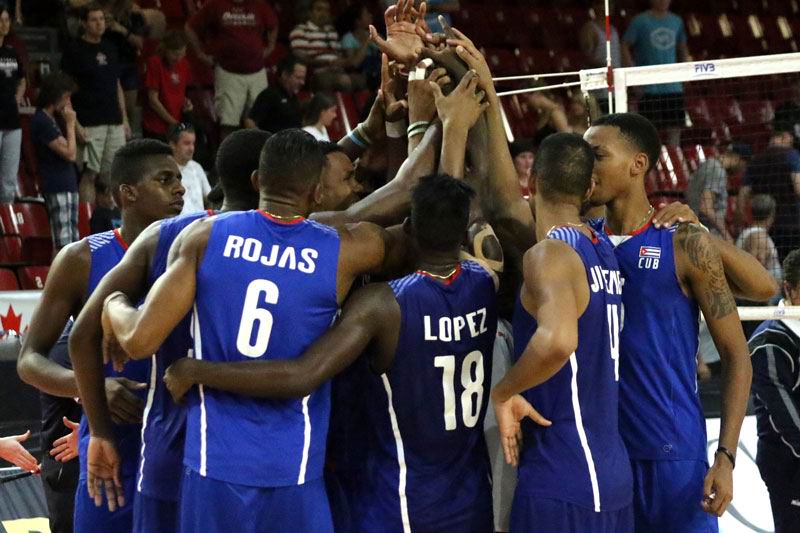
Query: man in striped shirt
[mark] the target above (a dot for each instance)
(317, 43)
(775, 350)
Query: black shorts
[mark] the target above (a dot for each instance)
(663, 110)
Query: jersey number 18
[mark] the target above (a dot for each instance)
(471, 382)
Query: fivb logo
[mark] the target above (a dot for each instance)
(705, 69)
(649, 257)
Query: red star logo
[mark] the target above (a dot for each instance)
(11, 321)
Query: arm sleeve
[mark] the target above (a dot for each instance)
(794, 160)
(42, 133)
(772, 383)
(681, 36)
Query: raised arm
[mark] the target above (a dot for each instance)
(700, 268)
(367, 312)
(140, 332)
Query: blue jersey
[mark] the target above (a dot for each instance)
(266, 289)
(107, 249)
(428, 468)
(581, 458)
(163, 425)
(660, 412)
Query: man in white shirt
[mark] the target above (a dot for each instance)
(181, 138)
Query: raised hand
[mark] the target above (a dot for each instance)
(421, 99)
(470, 54)
(403, 24)
(177, 378)
(509, 415)
(66, 448)
(674, 213)
(395, 109)
(102, 473)
(12, 450)
(462, 107)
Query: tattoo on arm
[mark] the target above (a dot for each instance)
(705, 259)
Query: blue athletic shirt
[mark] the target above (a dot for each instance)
(266, 289)
(107, 249)
(660, 412)
(163, 425)
(428, 468)
(581, 458)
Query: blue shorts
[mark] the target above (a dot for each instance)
(667, 497)
(531, 514)
(210, 506)
(152, 515)
(89, 518)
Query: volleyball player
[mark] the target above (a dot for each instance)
(671, 274)
(161, 462)
(288, 276)
(146, 184)
(574, 473)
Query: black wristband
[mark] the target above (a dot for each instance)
(728, 454)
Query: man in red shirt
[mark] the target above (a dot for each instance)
(166, 78)
(237, 29)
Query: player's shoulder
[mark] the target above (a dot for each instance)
(323, 228)
(687, 236)
(771, 333)
(73, 261)
(400, 286)
(97, 241)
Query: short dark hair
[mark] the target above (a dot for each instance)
(638, 131)
(53, 88)
(563, 166)
(440, 212)
(174, 131)
(173, 40)
(237, 158)
(131, 162)
(91, 7)
(290, 159)
(762, 207)
(288, 63)
(791, 268)
(314, 108)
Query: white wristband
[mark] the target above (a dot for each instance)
(396, 130)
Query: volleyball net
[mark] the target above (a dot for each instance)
(729, 130)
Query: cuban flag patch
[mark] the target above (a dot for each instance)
(650, 251)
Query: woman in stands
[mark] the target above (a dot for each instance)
(12, 93)
(55, 155)
(320, 114)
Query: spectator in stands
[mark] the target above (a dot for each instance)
(776, 172)
(127, 28)
(592, 38)
(105, 216)
(277, 108)
(12, 451)
(707, 193)
(756, 241)
(552, 117)
(657, 37)
(775, 353)
(362, 54)
(100, 103)
(522, 153)
(238, 29)
(56, 152)
(193, 178)
(317, 43)
(577, 114)
(12, 95)
(319, 114)
(787, 116)
(166, 79)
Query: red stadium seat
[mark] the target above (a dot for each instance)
(536, 61)
(8, 281)
(8, 220)
(84, 218)
(33, 278)
(10, 250)
(27, 184)
(32, 220)
(673, 174)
